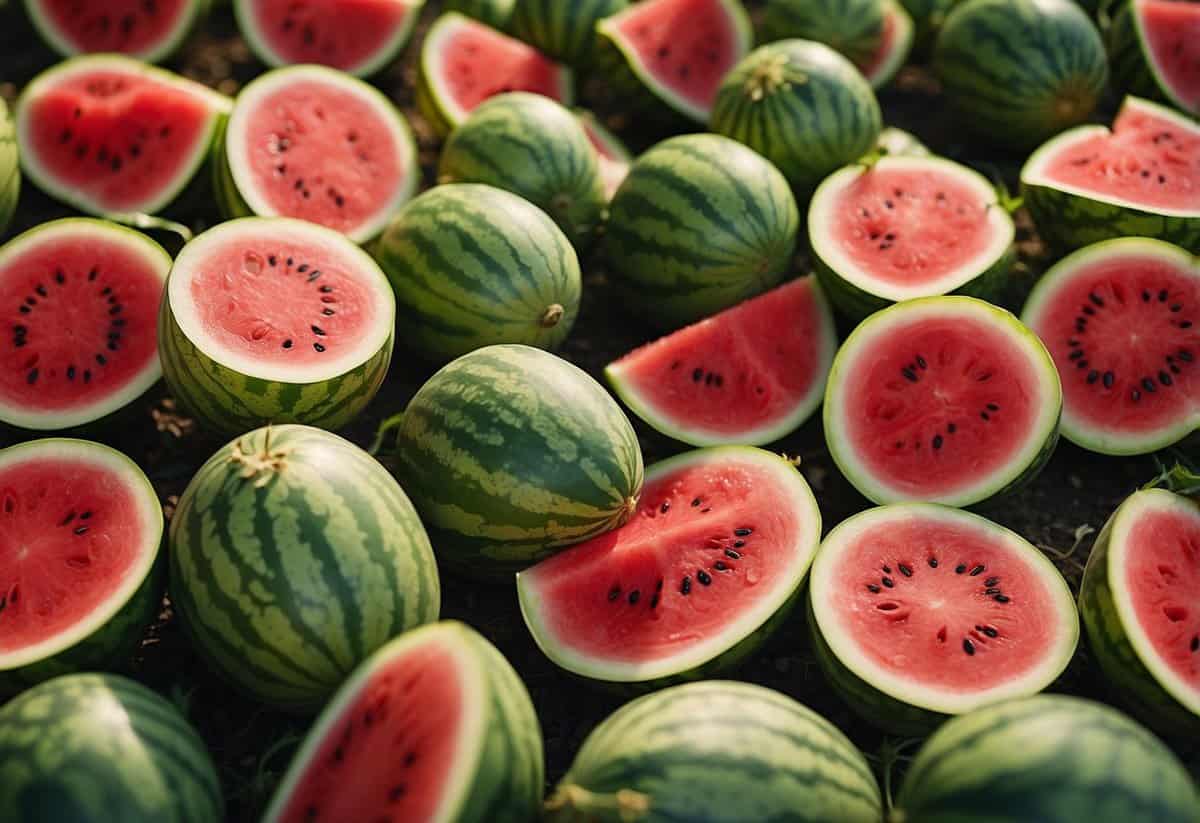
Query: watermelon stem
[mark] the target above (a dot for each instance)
(144, 222)
(890, 754)
(385, 428)
(260, 466)
(552, 315)
(571, 802)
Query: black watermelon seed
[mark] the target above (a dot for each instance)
(737, 544)
(909, 374)
(992, 590)
(1176, 307)
(1095, 298)
(1165, 378)
(873, 589)
(978, 570)
(325, 289)
(614, 593)
(906, 570)
(86, 516)
(951, 428)
(993, 407)
(396, 793)
(654, 600)
(961, 568)
(1185, 355)
(1162, 296)
(1109, 377)
(23, 310)
(1148, 385)
(933, 562)
(1072, 342)
(732, 555)
(318, 347)
(32, 377)
(272, 259)
(1145, 296)
(70, 372)
(686, 586)
(696, 502)
(665, 507)
(968, 646)
(743, 532)
(703, 577)
(287, 344)
(1075, 355)
(67, 519)
(887, 581)
(1001, 598)
(990, 632)
(921, 362)
(937, 441)
(1186, 324)
(985, 415)
(317, 330)
(706, 510)
(697, 375)
(887, 569)
(87, 376)
(1196, 643)
(1093, 376)
(1082, 364)
(1135, 395)
(634, 597)
(81, 530)
(991, 581)
(101, 359)
(1088, 310)
(720, 566)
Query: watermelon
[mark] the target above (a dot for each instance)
(464, 62)
(563, 31)
(529, 145)
(150, 31)
(611, 152)
(494, 13)
(882, 623)
(675, 53)
(1125, 390)
(1154, 46)
(510, 454)
(435, 725)
(905, 227)
(966, 407)
(316, 144)
(80, 299)
(1138, 603)
(898, 33)
(853, 28)
(271, 319)
(766, 359)
(92, 747)
(928, 16)
(472, 266)
(1020, 71)
(80, 529)
(721, 752)
(664, 590)
(10, 169)
(894, 141)
(1141, 178)
(1050, 758)
(674, 256)
(359, 37)
(801, 105)
(294, 555)
(110, 135)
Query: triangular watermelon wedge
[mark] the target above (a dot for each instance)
(1169, 32)
(894, 50)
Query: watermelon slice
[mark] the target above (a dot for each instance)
(150, 31)
(316, 144)
(464, 62)
(707, 567)
(943, 399)
(111, 135)
(1169, 34)
(80, 300)
(920, 611)
(615, 158)
(750, 375)
(897, 44)
(359, 37)
(681, 50)
(1119, 318)
(905, 227)
(80, 528)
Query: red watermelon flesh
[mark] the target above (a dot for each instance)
(346, 34)
(1171, 30)
(132, 27)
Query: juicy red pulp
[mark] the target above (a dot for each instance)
(477, 62)
(1172, 30)
(343, 34)
(125, 26)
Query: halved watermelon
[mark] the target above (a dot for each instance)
(150, 30)
(707, 567)
(111, 135)
(749, 375)
(1142, 178)
(1154, 46)
(897, 44)
(1120, 320)
(615, 158)
(80, 528)
(942, 399)
(920, 611)
(463, 62)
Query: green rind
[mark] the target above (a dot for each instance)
(229, 200)
(928, 17)
(721, 752)
(511, 454)
(494, 13)
(197, 15)
(10, 169)
(894, 142)
(94, 747)
(533, 147)
(901, 47)
(473, 266)
(294, 555)
(566, 31)
(853, 28)
(1130, 72)
(700, 224)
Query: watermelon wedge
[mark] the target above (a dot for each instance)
(749, 375)
(150, 31)
(897, 44)
(708, 566)
(1154, 46)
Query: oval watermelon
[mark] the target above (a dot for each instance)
(148, 31)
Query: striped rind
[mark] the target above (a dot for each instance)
(700, 224)
(801, 105)
(1130, 72)
(494, 13)
(511, 453)
(1020, 71)
(1050, 758)
(290, 569)
(1165, 89)
(99, 747)
(473, 266)
(853, 28)
(565, 31)
(10, 169)
(190, 19)
(722, 752)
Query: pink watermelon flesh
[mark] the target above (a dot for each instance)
(1172, 31)
(944, 605)
(123, 26)
(391, 750)
(116, 137)
(69, 535)
(478, 62)
(908, 227)
(345, 34)
(890, 42)
(745, 369)
(81, 322)
(938, 403)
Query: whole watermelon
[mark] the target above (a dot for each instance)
(928, 17)
(853, 28)
(563, 29)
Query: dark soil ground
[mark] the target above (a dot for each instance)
(1060, 512)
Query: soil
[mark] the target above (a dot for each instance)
(1060, 512)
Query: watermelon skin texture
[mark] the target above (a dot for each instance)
(10, 169)
(1050, 758)
(294, 555)
(1020, 71)
(93, 747)
(928, 17)
(721, 752)
(473, 266)
(700, 224)
(509, 454)
(854, 28)
(494, 13)
(566, 31)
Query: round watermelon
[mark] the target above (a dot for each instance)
(565, 31)
(853, 28)
(150, 31)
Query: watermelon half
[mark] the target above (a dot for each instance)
(80, 529)
(1142, 178)
(706, 569)
(1168, 34)
(920, 611)
(905, 227)
(749, 375)
(1120, 320)
(150, 30)
(314, 143)
(942, 399)
(79, 298)
(435, 726)
(359, 37)
(111, 135)
(897, 44)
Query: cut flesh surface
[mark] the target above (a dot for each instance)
(145, 29)
(894, 48)
(1170, 35)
